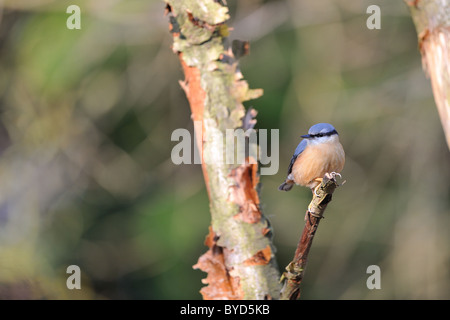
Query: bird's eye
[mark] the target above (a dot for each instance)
(319, 135)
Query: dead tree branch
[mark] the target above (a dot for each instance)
(293, 276)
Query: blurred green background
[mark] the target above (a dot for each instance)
(86, 178)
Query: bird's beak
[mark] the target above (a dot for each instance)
(306, 136)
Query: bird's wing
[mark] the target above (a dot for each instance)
(301, 146)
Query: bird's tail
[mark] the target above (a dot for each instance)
(286, 186)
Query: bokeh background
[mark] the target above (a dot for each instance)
(86, 178)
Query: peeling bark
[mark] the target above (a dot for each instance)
(244, 193)
(221, 286)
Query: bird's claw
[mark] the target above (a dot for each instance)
(334, 174)
(315, 191)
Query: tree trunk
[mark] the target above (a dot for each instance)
(432, 21)
(240, 261)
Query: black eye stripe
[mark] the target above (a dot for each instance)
(327, 134)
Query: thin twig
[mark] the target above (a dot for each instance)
(296, 268)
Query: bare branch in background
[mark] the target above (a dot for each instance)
(432, 21)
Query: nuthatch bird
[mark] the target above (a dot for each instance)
(318, 153)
